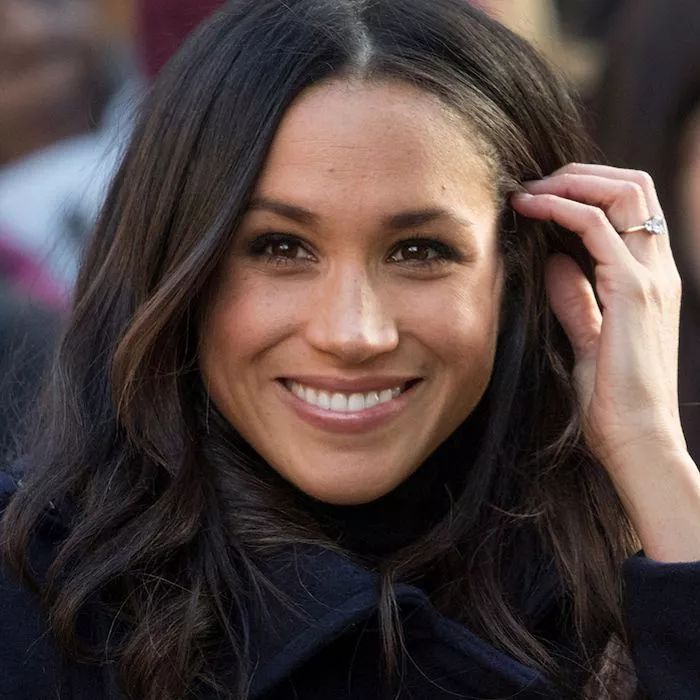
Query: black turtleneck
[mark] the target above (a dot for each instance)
(376, 529)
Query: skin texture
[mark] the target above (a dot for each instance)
(350, 301)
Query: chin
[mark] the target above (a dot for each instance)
(350, 492)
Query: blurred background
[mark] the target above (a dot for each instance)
(72, 73)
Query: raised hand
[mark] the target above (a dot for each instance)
(625, 348)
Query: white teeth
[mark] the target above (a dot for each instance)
(371, 399)
(386, 395)
(339, 402)
(342, 403)
(356, 402)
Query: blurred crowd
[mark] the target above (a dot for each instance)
(72, 72)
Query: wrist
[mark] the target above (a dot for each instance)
(626, 453)
(661, 495)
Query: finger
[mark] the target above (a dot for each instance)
(574, 304)
(639, 177)
(643, 179)
(623, 201)
(599, 237)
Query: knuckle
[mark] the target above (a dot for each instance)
(645, 181)
(634, 192)
(550, 199)
(596, 217)
(568, 169)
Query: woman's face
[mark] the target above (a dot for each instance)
(354, 324)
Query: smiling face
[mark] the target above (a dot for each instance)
(354, 324)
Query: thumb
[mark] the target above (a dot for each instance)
(574, 304)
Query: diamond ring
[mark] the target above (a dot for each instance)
(656, 225)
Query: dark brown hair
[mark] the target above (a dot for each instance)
(166, 511)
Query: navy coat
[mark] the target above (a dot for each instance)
(335, 655)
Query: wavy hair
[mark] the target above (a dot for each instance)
(166, 511)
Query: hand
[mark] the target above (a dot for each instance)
(625, 348)
(625, 354)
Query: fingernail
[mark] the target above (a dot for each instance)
(523, 196)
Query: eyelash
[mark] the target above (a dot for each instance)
(259, 246)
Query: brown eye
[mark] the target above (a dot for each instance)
(422, 252)
(281, 248)
(417, 252)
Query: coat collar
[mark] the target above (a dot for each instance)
(328, 594)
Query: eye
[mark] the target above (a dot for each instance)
(422, 252)
(280, 248)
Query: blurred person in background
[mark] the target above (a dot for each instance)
(51, 82)
(69, 77)
(61, 63)
(64, 72)
(647, 117)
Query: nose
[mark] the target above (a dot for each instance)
(350, 320)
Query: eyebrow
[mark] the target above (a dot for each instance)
(397, 222)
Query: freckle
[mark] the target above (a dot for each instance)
(331, 171)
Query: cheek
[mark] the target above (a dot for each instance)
(467, 347)
(458, 321)
(245, 319)
(460, 328)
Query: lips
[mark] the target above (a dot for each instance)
(343, 402)
(344, 412)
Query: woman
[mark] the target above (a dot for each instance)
(315, 430)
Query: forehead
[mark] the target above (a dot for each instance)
(375, 144)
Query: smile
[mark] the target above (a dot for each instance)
(342, 402)
(351, 412)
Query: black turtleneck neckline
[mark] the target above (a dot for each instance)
(376, 529)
